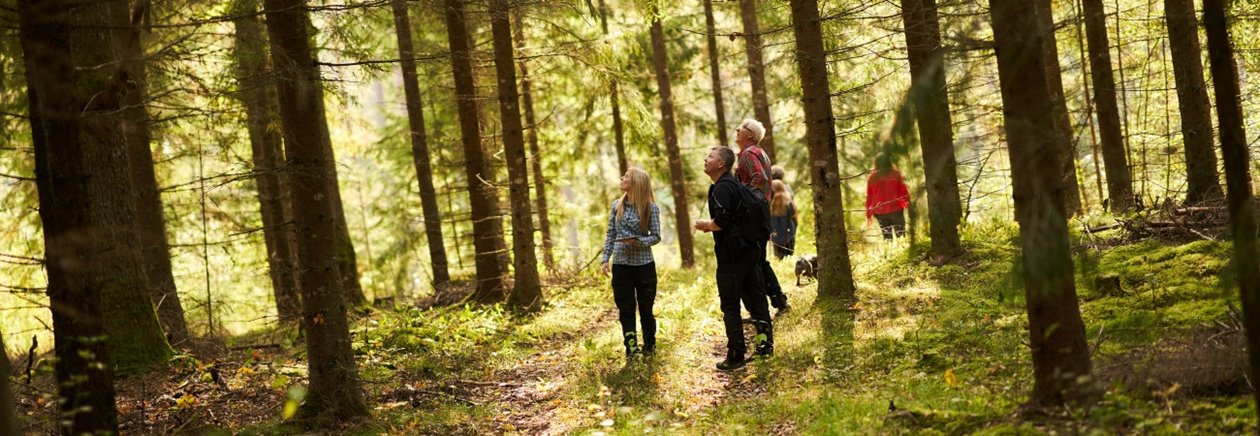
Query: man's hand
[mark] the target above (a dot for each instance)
(706, 226)
(604, 269)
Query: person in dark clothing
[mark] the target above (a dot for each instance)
(634, 226)
(754, 170)
(738, 277)
(782, 220)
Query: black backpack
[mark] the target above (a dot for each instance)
(752, 215)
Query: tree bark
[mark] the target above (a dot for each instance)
(619, 131)
(1062, 123)
(8, 419)
(135, 334)
(420, 146)
(835, 272)
(347, 260)
(262, 116)
(526, 290)
(930, 97)
(1056, 331)
(484, 200)
(757, 73)
(531, 134)
(71, 232)
(1089, 106)
(678, 181)
(150, 223)
(334, 391)
(1234, 151)
(716, 73)
(1119, 183)
(1203, 183)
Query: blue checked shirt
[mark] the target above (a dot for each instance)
(624, 253)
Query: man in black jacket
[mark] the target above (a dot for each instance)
(738, 277)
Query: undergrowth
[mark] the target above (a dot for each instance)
(922, 350)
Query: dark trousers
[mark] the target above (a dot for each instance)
(636, 285)
(785, 250)
(772, 287)
(739, 280)
(892, 223)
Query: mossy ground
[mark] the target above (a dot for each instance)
(923, 350)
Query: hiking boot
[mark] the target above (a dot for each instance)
(733, 362)
(649, 350)
(632, 344)
(764, 351)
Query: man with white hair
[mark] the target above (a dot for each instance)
(753, 169)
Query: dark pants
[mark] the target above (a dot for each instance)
(631, 285)
(772, 288)
(892, 223)
(785, 250)
(739, 279)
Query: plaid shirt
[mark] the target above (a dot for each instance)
(624, 253)
(753, 169)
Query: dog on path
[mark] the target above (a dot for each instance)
(806, 266)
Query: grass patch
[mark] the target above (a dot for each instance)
(922, 350)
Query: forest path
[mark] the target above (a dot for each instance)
(578, 379)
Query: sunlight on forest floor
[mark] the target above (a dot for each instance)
(923, 349)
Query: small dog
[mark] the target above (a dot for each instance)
(806, 266)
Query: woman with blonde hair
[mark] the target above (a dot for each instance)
(634, 226)
(782, 220)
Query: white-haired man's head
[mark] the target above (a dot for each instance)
(754, 130)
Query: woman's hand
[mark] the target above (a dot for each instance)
(604, 269)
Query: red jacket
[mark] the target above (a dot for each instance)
(886, 193)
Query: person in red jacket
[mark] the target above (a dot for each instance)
(887, 197)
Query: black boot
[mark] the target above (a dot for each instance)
(733, 362)
(764, 340)
(632, 344)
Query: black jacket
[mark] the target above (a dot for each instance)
(724, 206)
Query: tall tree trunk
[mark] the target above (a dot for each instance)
(678, 181)
(1089, 104)
(1192, 99)
(1056, 332)
(484, 200)
(1119, 182)
(262, 115)
(757, 73)
(619, 131)
(84, 372)
(835, 273)
(1062, 124)
(931, 101)
(150, 223)
(714, 56)
(8, 419)
(526, 289)
(347, 262)
(531, 134)
(1242, 213)
(420, 146)
(135, 334)
(334, 390)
